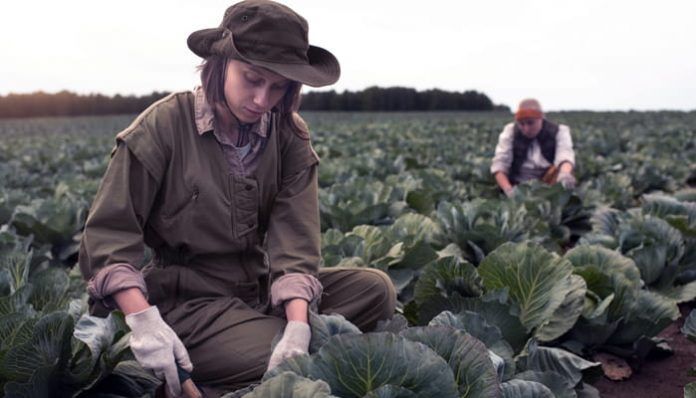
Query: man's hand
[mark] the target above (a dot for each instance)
(510, 192)
(295, 341)
(157, 347)
(566, 179)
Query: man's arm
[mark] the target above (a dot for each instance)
(502, 159)
(504, 183)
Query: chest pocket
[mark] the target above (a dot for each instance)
(186, 200)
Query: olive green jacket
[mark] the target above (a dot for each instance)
(172, 186)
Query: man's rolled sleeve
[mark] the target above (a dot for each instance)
(503, 150)
(564, 147)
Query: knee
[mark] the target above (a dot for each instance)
(383, 293)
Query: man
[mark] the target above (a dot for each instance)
(533, 148)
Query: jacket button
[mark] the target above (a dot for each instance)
(251, 224)
(248, 187)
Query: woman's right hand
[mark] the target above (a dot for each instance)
(157, 347)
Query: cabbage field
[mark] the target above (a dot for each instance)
(497, 297)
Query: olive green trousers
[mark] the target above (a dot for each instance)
(229, 340)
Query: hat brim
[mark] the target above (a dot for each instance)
(322, 68)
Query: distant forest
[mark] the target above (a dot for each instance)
(66, 103)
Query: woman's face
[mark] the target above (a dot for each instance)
(251, 90)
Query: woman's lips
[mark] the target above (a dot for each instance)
(254, 113)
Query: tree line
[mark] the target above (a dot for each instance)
(66, 103)
(397, 99)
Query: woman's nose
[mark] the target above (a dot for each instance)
(261, 98)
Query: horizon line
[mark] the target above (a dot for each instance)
(311, 90)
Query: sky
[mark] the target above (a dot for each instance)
(571, 55)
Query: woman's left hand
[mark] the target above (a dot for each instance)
(295, 341)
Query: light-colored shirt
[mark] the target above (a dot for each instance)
(535, 165)
(242, 161)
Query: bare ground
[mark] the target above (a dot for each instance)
(664, 378)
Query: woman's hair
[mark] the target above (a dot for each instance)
(213, 71)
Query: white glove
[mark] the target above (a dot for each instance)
(566, 179)
(157, 347)
(295, 341)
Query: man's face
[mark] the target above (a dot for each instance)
(530, 127)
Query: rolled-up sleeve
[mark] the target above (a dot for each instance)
(503, 150)
(112, 245)
(294, 232)
(564, 147)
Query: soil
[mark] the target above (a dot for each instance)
(663, 378)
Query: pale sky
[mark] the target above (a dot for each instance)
(589, 54)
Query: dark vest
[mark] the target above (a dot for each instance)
(520, 145)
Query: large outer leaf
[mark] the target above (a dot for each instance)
(651, 314)
(444, 276)
(36, 386)
(375, 243)
(689, 328)
(479, 226)
(537, 280)
(605, 221)
(654, 245)
(49, 349)
(299, 364)
(679, 293)
(551, 359)
(97, 333)
(354, 365)
(495, 309)
(390, 391)
(467, 357)
(620, 271)
(566, 315)
(291, 385)
(681, 215)
(128, 379)
(52, 220)
(475, 325)
(18, 302)
(15, 329)
(50, 289)
(103, 338)
(593, 333)
(559, 385)
(326, 326)
(413, 227)
(525, 389)
(14, 271)
(395, 324)
(690, 390)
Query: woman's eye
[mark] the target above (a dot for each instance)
(252, 79)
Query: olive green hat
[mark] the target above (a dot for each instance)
(270, 35)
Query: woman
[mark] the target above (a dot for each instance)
(221, 184)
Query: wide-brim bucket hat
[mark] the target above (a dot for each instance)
(270, 35)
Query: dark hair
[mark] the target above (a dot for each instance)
(213, 73)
